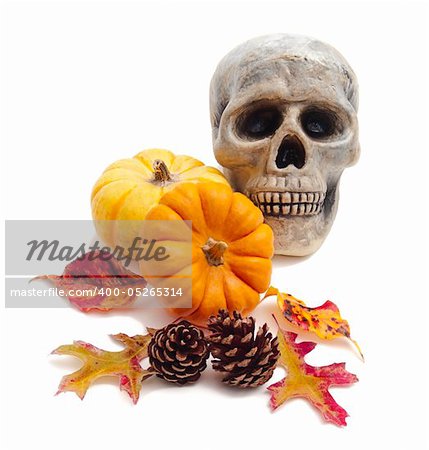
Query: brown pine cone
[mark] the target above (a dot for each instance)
(178, 352)
(245, 359)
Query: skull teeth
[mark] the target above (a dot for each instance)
(289, 203)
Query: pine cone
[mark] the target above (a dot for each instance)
(178, 352)
(246, 360)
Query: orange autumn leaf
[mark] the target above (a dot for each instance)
(325, 320)
(97, 282)
(98, 363)
(311, 383)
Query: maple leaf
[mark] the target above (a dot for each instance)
(98, 363)
(312, 383)
(325, 321)
(97, 281)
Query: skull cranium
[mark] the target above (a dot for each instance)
(283, 113)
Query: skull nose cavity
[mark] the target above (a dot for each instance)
(290, 152)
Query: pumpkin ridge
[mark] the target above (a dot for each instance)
(229, 212)
(244, 235)
(128, 169)
(206, 286)
(224, 287)
(198, 206)
(257, 283)
(120, 202)
(206, 275)
(144, 164)
(99, 191)
(122, 178)
(110, 238)
(215, 218)
(229, 268)
(206, 176)
(238, 253)
(191, 168)
(230, 206)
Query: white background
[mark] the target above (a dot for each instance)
(86, 83)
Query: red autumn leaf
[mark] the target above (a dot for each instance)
(97, 281)
(311, 383)
(99, 363)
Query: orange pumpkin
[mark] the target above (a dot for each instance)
(231, 247)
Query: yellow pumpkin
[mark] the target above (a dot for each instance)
(231, 248)
(128, 188)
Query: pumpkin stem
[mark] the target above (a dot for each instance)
(214, 251)
(161, 172)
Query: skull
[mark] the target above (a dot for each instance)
(283, 114)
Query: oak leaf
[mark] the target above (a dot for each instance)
(311, 383)
(97, 281)
(325, 320)
(98, 363)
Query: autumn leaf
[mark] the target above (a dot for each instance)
(325, 321)
(98, 363)
(311, 383)
(97, 281)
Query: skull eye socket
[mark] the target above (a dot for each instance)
(318, 124)
(259, 123)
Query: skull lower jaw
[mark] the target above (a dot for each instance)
(302, 235)
(298, 230)
(298, 235)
